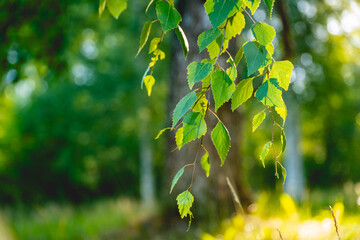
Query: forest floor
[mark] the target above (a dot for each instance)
(125, 219)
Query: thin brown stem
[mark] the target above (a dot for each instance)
(273, 143)
(222, 43)
(194, 163)
(214, 114)
(335, 222)
(248, 14)
(280, 234)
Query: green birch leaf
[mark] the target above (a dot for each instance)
(252, 5)
(116, 7)
(161, 132)
(232, 73)
(256, 57)
(182, 107)
(221, 140)
(282, 71)
(265, 152)
(283, 172)
(281, 110)
(194, 126)
(154, 44)
(148, 6)
(239, 56)
(269, 93)
(144, 35)
(283, 141)
(242, 93)
(214, 47)
(234, 26)
(149, 82)
(176, 178)
(221, 10)
(185, 201)
(207, 37)
(263, 33)
(222, 87)
(183, 40)
(270, 5)
(205, 163)
(197, 72)
(169, 17)
(257, 120)
(179, 138)
(102, 5)
(201, 103)
(270, 48)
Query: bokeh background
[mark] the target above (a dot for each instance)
(78, 158)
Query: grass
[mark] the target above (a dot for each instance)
(100, 220)
(280, 218)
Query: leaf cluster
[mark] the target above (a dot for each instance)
(227, 18)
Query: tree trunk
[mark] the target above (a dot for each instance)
(295, 182)
(147, 186)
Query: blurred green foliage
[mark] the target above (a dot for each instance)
(72, 104)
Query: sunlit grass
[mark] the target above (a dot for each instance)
(271, 217)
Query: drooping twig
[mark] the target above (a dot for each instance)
(280, 234)
(222, 43)
(335, 222)
(235, 196)
(248, 14)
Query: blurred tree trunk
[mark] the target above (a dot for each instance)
(212, 195)
(294, 184)
(147, 186)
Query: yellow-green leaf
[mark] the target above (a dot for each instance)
(197, 72)
(205, 163)
(232, 73)
(239, 56)
(176, 178)
(282, 71)
(221, 140)
(201, 103)
(207, 37)
(234, 26)
(222, 87)
(281, 110)
(154, 44)
(283, 171)
(183, 40)
(264, 152)
(263, 33)
(149, 82)
(179, 138)
(116, 7)
(242, 93)
(194, 126)
(185, 201)
(257, 120)
(252, 5)
(144, 35)
(161, 132)
(102, 5)
(269, 93)
(283, 140)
